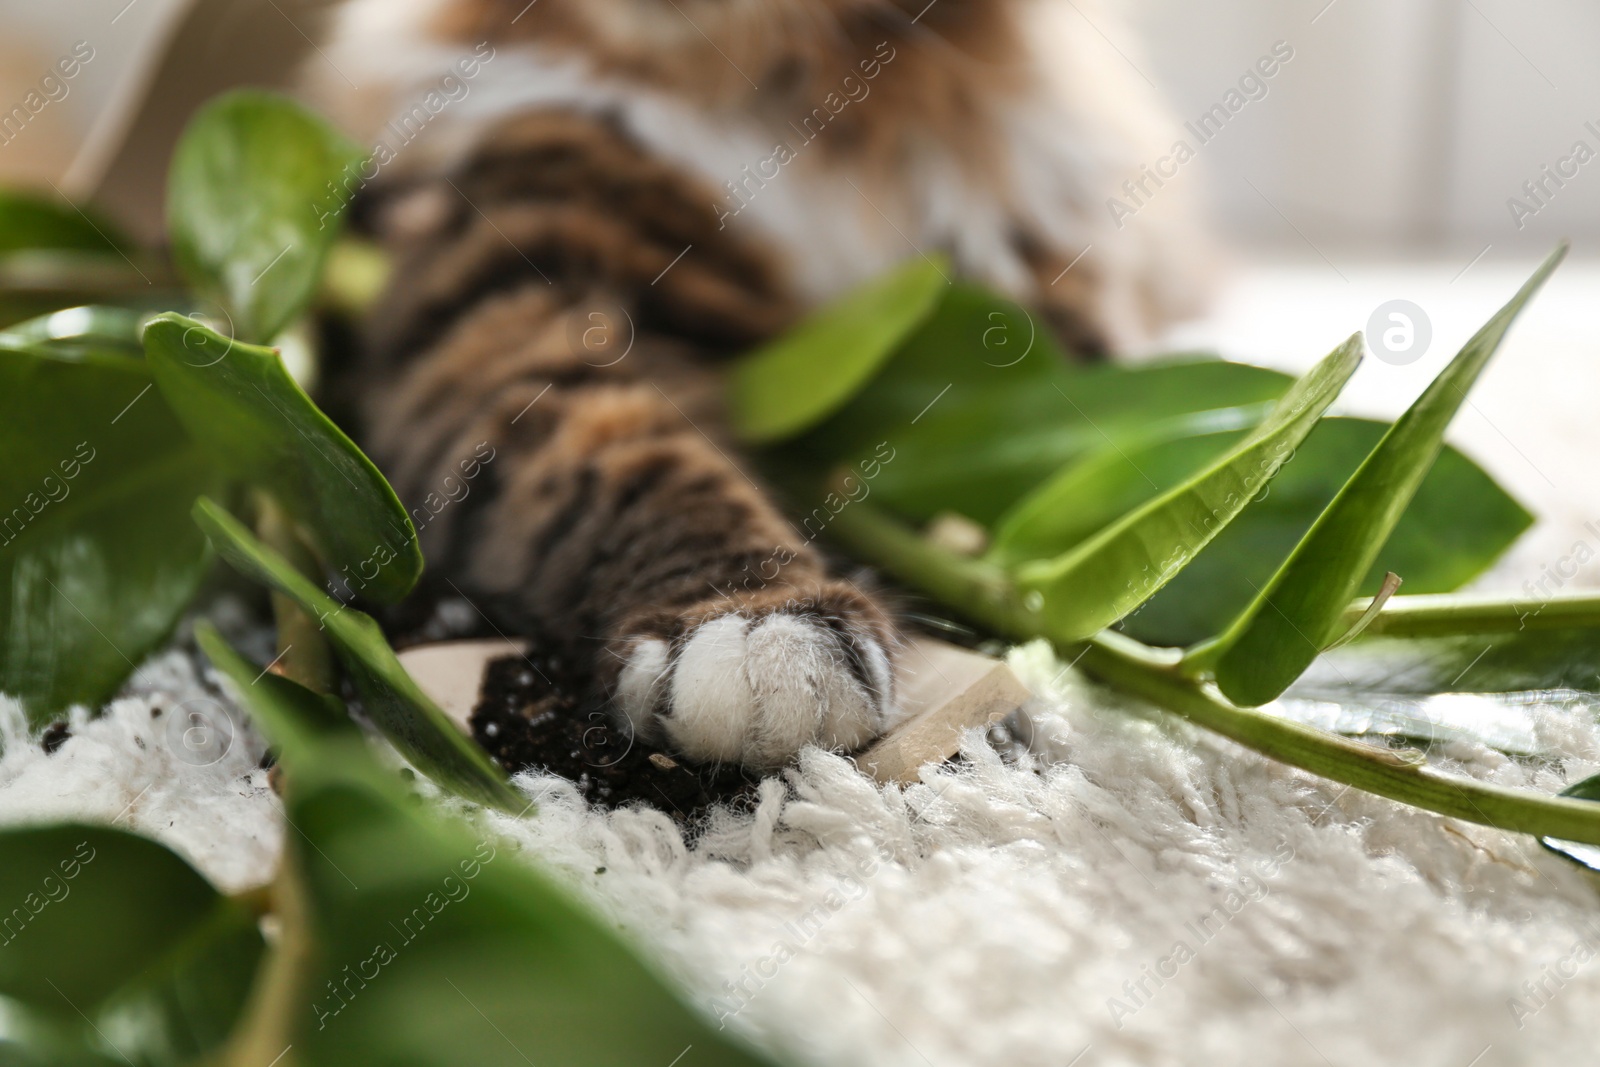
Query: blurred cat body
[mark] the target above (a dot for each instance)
(594, 202)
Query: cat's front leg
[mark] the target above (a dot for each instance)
(618, 526)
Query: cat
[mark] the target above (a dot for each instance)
(593, 204)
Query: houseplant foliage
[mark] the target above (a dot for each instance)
(1100, 488)
(400, 934)
(1193, 531)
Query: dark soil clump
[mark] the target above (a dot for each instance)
(528, 716)
(55, 735)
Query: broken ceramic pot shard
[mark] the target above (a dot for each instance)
(451, 672)
(941, 689)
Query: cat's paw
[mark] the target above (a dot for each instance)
(753, 685)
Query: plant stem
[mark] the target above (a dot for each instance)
(1121, 662)
(1451, 615)
(257, 900)
(985, 594)
(266, 1028)
(304, 655)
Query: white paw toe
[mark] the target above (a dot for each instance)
(757, 691)
(711, 699)
(641, 685)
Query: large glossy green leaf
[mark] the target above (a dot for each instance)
(796, 381)
(1113, 480)
(240, 403)
(1459, 522)
(90, 907)
(980, 406)
(1020, 436)
(972, 340)
(97, 555)
(117, 934)
(462, 953)
(391, 700)
(250, 209)
(1299, 611)
(1105, 577)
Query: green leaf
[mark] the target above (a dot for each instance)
(97, 555)
(293, 717)
(187, 1003)
(79, 330)
(1459, 522)
(1536, 659)
(1087, 496)
(54, 255)
(1472, 643)
(394, 703)
(463, 953)
(27, 1039)
(1297, 614)
(972, 340)
(32, 221)
(96, 906)
(120, 933)
(249, 207)
(794, 382)
(1110, 574)
(240, 403)
(1587, 855)
(980, 406)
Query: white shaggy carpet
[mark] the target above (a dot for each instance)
(1135, 892)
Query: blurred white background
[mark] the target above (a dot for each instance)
(1400, 126)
